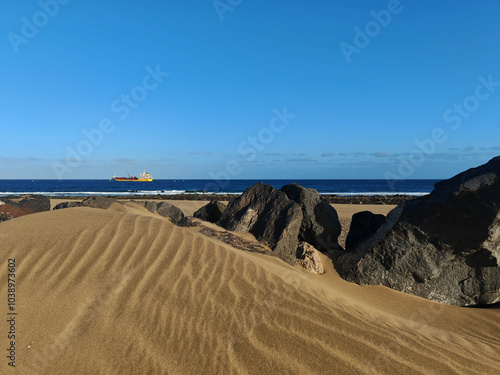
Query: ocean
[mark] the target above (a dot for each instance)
(170, 187)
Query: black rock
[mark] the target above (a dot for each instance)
(269, 215)
(164, 209)
(444, 246)
(366, 199)
(92, 202)
(363, 225)
(189, 221)
(174, 213)
(150, 206)
(14, 206)
(67, 205)
(211, 212)
(320, 224)
(98, 202)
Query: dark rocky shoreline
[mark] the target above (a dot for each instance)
(335, 199)
(365, 199)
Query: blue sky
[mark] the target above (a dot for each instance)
(248, 89)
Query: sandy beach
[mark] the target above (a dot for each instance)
(125, 291)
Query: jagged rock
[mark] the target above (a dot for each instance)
(164, 209)
(366, 199)
(98, 202)
(211, 212)
(363, 225)
(444, 246)
(174, 213)
(14, 206)
(269, 215)
(308, 257)
(247, 221)
(67, 205)
(150, 206)
(320, 224)
(189, 221)
(92, 202)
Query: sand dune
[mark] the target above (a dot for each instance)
(345, 211)
(123, 291)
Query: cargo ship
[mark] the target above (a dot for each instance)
(143, 177)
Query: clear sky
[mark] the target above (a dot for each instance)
(251, 89)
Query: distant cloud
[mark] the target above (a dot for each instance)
(124, 160)
(303, 160)
(382, 155)
(327, 155)
(469, 149)
(19, 160)
(357, 164)
(495, 148)
(360, 154)
(200, 153)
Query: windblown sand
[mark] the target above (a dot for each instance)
(344, 211)
(123, 291)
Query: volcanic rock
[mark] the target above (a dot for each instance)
(174, 213)
(444, 246)
(308, 257)
(14, 206)
(150, 206)
(363, 225)
(190, 221)
(67, 205)
(92, 202)
(98, 202)
(320, 224)
(366, 199)
(211, 212)
(269, 215)
(164, 209)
